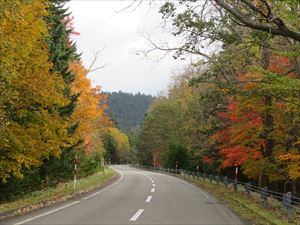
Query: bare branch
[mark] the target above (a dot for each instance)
(91, 68)
(281, 29)
(138, 2)
(254, 8)
(218, 109)
(166, 48)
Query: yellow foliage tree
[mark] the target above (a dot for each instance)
(30, 127)
(123, 146)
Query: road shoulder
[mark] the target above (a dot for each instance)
(59, 195)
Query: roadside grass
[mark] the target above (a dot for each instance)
(61, 192)
(249, 209)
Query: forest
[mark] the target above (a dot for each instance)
(127, 110)
(50, 115)
(237, 106)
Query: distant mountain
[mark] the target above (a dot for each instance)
(127, 110)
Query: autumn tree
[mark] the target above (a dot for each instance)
(91, 106)
(116, 145)
(159, 130)
(62, 52)
(31, 127)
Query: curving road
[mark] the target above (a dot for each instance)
(138, 197)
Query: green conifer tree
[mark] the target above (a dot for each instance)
(62, 51)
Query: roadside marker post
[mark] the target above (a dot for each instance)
(75, 172)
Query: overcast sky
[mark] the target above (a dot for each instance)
(102, 26)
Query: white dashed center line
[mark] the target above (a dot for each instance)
(136, 215)
(148, 199)
(152, 181)
(153, 185)
(152, 189)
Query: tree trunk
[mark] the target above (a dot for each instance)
(297, 66)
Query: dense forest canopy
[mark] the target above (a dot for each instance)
(51, 118)
(127, 109)
(234, 107)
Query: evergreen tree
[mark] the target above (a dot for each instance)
(127, 110)
(110, 146)
(62, 52)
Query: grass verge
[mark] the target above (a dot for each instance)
(61, 192)
(248, 209)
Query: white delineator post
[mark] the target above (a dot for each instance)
(75, 172)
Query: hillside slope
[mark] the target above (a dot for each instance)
(128, 109)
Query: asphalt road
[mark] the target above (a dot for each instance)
(138, 197)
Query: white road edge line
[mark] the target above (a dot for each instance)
(108, 187)
(46, 213)
(136, 215)
(152, 189)
(148, 199)
(190, 185)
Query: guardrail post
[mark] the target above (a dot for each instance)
(287, 202)
(217, 179)
(264, 196)
(248, 189)
(225, 181)
(235, 185)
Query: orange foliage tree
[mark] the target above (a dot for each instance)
(242, 140)
(90, 108)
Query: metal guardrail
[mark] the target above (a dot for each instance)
(290, 204)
